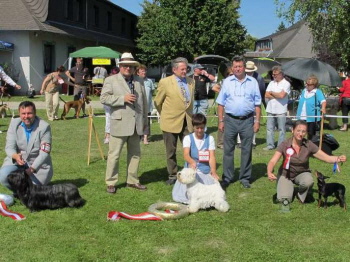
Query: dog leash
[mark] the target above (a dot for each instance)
(62, 100)
(7, 213)
(116, 216)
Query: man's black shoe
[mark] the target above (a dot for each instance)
(224, 185)
(170, 182)
(246, 185)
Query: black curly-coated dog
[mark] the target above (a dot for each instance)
(37, 197)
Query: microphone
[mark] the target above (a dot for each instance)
(132, 90)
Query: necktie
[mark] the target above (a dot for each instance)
(183, 92)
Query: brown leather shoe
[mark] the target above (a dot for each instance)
(111, 189)
(137, 186)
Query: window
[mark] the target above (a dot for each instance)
(69, 9)
(109, 21)
(97, 15)
(123, 26)
(49, 58)
(80, 8)
(132, 30)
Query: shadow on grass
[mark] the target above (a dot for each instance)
(79, 182)
(149, 177)
(212, 130)
(155, 138)
(260, 141)
(156, 175)
(259, 171)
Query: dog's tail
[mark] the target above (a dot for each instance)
(62, 100)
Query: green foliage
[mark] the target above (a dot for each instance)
(10, 71)
(281, 27)
(253, 230)
(329, 23)
(171, 28)
(249, 42)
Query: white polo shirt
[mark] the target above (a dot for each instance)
(278, 105)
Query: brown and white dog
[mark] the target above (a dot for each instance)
(77, 105)
(3, 109)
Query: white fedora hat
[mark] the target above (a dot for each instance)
(250, 67)
(128, 59)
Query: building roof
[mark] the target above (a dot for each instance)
(24, 15)
(295, 41)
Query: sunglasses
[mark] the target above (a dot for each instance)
(127, 66)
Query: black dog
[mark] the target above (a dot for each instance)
(37, 197)
(329, 189)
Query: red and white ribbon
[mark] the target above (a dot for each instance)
(289, 153)
(7, 213)
(115, 216)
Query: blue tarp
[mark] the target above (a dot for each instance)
(6, 46)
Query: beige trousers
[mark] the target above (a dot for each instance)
(133, 158)
(52, 104)
(285, 186)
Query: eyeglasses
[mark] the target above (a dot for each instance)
(276, 74)
(127, 66)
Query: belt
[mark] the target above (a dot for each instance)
(240, 117)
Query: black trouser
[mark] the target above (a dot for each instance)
(311, 129)
(345, 108)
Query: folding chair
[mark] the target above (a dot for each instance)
(97, 86)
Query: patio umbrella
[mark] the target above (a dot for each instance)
(302, 68)
(264, 64)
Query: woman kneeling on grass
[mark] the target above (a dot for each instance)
(197, 147)
(296, 152)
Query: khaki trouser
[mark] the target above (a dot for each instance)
(133, 159)
(52, 104)
(285, 186)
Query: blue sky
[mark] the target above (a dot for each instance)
(258, 16)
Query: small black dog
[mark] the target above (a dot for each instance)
(37, 197)
(329, 189)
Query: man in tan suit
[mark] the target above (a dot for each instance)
(125, 94)
(174, 102)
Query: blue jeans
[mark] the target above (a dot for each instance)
(200, 106)
(270, 128)
(7, 170)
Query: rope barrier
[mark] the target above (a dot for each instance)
(294, 117)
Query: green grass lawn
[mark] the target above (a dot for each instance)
(253, 230)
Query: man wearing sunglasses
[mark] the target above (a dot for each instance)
(125, 94)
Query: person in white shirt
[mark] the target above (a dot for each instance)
(199, 154)
(7, 79)
(100, 72)
(277, 101)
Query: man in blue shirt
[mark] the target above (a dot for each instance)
(28, 147)
(238, 101)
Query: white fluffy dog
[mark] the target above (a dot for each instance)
(202, 196)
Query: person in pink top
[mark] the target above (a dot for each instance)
(345, 101)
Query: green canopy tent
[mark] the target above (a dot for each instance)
(88, 53)
(95, 52)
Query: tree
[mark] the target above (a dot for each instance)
(329, 23)
(172, 28)
(249, 42)
(281, 27)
